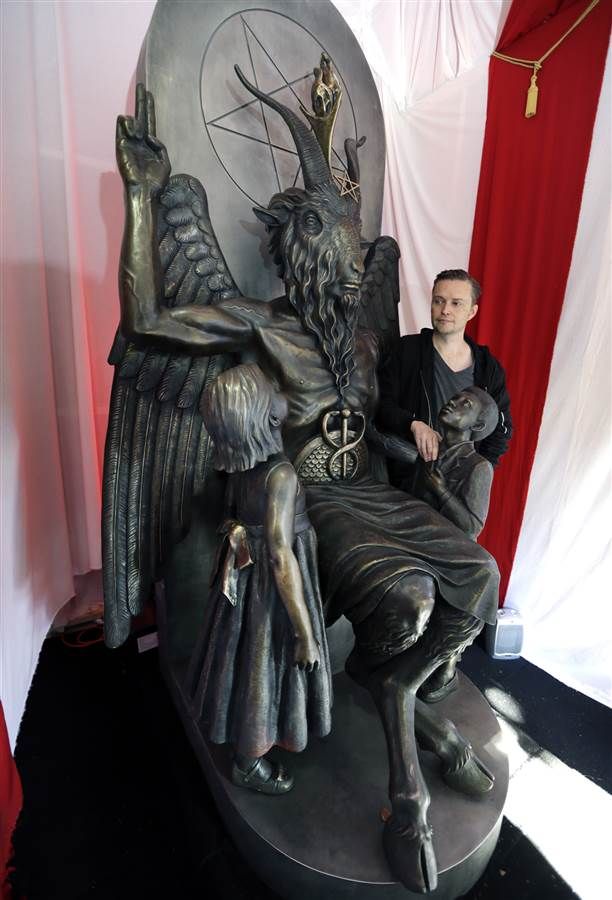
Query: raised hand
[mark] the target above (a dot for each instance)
(142, 159)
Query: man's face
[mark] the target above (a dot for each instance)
(461, 412)
(451, 306)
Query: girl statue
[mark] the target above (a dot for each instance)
(260, 673)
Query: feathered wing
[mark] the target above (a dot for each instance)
(380, 292)
(157, 453)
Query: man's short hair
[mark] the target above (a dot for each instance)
(460, 275)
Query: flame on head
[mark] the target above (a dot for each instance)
(314, 146)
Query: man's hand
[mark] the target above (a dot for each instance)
(141, 158)
(306, 655)
(426, 439)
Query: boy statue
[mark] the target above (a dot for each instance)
(458, 485)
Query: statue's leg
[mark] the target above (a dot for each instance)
(443, 681)
(409, 658)
(385, 636)
(461, 768)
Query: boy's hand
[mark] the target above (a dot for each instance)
(436, 480)
(306, 655)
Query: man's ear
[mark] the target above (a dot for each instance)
(272, 218)
(473, 311)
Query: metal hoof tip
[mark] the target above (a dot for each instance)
(411, 856)
(264, 776)
(472, 778)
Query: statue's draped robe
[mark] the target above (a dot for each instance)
(371, 535)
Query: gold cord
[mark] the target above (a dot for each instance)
(536, 64)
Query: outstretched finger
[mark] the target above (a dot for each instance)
(140, 118)
(150, 112)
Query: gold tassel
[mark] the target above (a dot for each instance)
(531, 106)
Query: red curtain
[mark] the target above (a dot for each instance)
(10, 803)
(531, 179)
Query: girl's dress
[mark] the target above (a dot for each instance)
(247, 690)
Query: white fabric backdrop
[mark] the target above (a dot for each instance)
(67, 70)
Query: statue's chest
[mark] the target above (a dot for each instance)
(293, 357)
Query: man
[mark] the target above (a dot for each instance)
(425, 370)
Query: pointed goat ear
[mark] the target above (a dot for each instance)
(273, 218)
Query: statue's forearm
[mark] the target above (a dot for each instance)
(288, 580)
(452, 508)
(140, 279)
(144, 318)
(391, 445)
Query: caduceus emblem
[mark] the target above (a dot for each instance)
(343, 430)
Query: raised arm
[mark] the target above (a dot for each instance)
(144, 166)
(280, 522)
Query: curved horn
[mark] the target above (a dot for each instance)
(314, 165)
(352, 160)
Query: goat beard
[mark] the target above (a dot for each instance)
(330, 317)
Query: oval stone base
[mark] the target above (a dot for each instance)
(323, 840)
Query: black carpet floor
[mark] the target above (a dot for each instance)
(116, 807)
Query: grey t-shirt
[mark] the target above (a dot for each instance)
(448, 383)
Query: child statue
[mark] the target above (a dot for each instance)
(260, 672)
(458, 485)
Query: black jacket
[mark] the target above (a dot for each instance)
(406, 381)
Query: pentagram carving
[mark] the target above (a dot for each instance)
(251, 142)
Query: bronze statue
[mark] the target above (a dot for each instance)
(264, 618)
(415, 588)
(458, 485)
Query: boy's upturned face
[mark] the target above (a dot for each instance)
(461, 412)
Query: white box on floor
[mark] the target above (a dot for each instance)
(505, 639)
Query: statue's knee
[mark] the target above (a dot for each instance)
(398, 621)
(412, 599)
